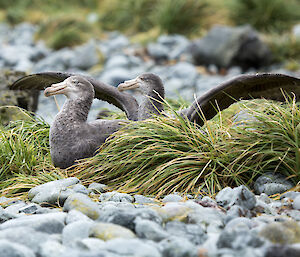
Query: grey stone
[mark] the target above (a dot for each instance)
(59, 60)
(76, 231)
(238, 238)
(14, 208)
(272, 183)
(131, 247)
(4, 216)
(85, 56)
(24, 236)
(82, 203)
(149, 230)
(118, 61)
(92, 244)
(108, 231)
(231, 46)
(184, 71)
(30, 208)
(178, 247)
(116, 197)
(97, 188)
(115, 76)
(290, 194)
(126, 217)
(157, 51)
(241, 196)
(49, 223)
(10, 249)
(282, 251)
(115, 42)
(74, 215)
(78, 188)
(264, 197)
(240, 222)
(52, 249)
(53, 192)
(172, 198)
(192, 232)
(140, 199)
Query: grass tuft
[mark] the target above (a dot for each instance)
(165, 154)
(168, 154)
(265, 15)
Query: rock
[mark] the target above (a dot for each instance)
(58, 60)
(82, 203)
(85, 56)
(287, 232)
(149, 230)
(52, 248)
(290, 194)
(9, 249)
(115, 41)
(140, 199)
(115, 76)
(158, 52)
(272, 183)
(238, 238)
(174, 211)
(25, 236)
(25, 100)
(49, 223)
(177, 247)
(282, 251)
(30, 209)
(92, 244)
(76, 231)
(78, 188)
(116, 197)
(14, 208)
(241, 196)
(296, 203)
(108, 231)
(4, 216)
(53, 192)
(126, 217)
(240, 222)
(231, 46)
(97, 188)
(172, 198)
(131, 247)
(193, 232)
(74, 215)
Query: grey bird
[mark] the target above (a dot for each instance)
(244, 87)
(73, 138)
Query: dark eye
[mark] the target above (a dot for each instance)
(142, 78)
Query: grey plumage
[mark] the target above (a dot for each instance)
(71, 136)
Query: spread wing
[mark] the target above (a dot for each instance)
(110, 94)
(244, 87)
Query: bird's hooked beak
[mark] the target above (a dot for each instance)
(129, 84)
(56, 89)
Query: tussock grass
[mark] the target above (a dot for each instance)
(168, 154)
(24, 155)
(265, 15)
(165, 154)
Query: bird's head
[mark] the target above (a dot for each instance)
(146, 82)
(72, 87)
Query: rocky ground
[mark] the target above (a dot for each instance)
(92, 222)
(64, 218)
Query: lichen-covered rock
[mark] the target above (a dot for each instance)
(108, 231)
(84, 204)
(24, 99)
